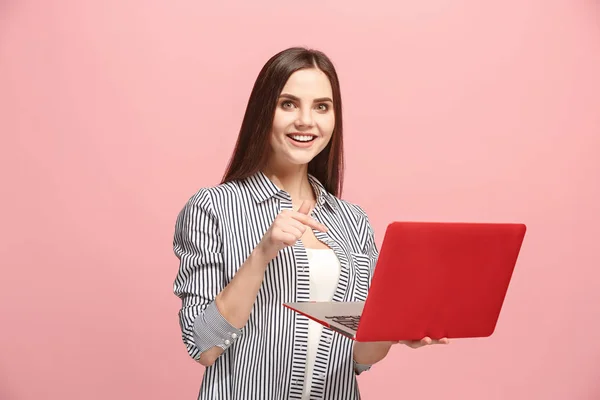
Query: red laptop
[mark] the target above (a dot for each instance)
(435, 279)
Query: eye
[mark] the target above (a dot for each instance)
(286, 104)
(323, 107)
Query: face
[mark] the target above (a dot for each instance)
(304, 118)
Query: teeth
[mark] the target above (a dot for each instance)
(302, 138)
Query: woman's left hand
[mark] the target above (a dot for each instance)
(426, 341)
(373, 352)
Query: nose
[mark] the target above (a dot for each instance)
(305, 118)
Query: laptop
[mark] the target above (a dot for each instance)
(432, 279)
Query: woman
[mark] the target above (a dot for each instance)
(275, 231)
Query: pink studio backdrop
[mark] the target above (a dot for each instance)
(113, 113)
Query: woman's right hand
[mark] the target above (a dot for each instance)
(286, 230)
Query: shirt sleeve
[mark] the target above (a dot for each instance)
(370, 246)
(370, 249)
(198, 246)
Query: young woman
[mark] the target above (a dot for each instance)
(275, 230)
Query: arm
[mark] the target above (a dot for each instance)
(236, 300)
(211, 316)
(368, 353)
(365, 354)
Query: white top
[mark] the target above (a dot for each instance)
(324, 272)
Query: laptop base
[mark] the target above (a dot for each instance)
(341, 317)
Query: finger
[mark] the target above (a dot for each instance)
(413, 344)
(306, 220)
(440, 341)
(288, 239)
(295, 223)
(426, 340)
(293, 230)
(304, 207)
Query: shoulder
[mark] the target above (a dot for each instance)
(206, 205)
(210, 197)
(198, 222)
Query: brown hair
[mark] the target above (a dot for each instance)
(252, 147)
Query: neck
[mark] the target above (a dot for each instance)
(293, 179)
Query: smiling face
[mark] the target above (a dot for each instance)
(304, 118)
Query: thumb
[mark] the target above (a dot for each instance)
(304, 207)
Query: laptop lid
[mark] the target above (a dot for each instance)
(440, 279)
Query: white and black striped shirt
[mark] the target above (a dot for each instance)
(215, 232)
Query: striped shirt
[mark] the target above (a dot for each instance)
(215, 232)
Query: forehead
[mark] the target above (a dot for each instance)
(308, 83)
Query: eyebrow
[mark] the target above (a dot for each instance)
(319, 100)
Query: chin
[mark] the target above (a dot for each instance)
(299, 160)
(288, 155)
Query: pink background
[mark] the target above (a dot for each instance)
(113, 113)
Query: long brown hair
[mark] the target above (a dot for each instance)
(252, 147)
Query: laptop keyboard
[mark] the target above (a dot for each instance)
(349, 321)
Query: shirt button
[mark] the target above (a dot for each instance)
(227, 342)
(234, 335)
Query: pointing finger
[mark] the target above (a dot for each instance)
(304, 207)
(306, 220)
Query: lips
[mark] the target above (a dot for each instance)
(302, 137)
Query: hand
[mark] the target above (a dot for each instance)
(287, 229)
(426, 341)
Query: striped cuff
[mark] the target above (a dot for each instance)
(212, 329)
(360, 368)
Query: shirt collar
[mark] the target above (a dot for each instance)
(262, 188)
